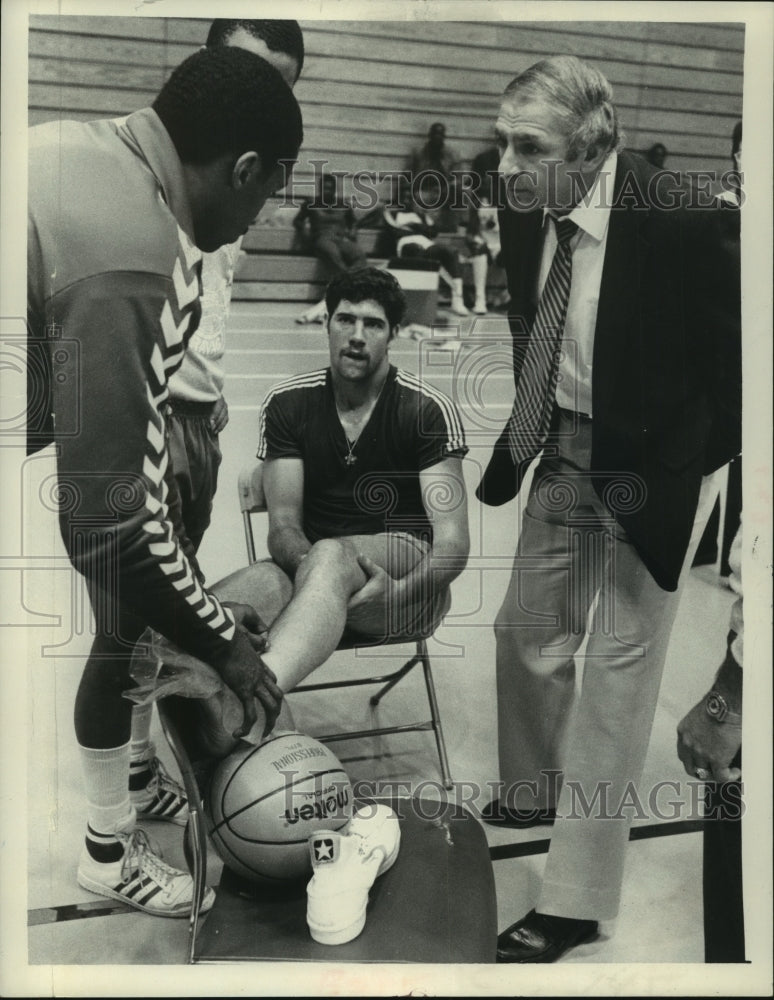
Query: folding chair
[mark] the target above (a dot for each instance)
(195, 842)
(437, 905)
(252, 501)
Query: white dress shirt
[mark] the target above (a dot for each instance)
(592, 217)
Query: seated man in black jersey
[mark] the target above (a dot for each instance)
(355, 456)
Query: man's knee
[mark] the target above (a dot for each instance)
(262, 584)
(336, 560)
(523, 649)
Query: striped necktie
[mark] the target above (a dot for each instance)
(533, 405)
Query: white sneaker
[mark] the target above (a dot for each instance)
(163, 798)
(378, 826)
(142, 879)
(345, 867)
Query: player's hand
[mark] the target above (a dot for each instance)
(249, 678)
(705, 744)
(219, 417)
(248, 617)
(373, 601)
(376, 588)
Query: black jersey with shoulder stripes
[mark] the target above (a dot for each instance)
(412, 427)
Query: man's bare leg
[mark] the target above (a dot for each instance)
(306, 619)
(308, 628)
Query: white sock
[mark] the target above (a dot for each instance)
(106, 782)
(480, 266)
(141, 746)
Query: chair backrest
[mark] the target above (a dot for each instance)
(252, 499)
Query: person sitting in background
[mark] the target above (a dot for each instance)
(329, 220)
(656, 155)
(483, 230)
(433, 166)
(413, 235)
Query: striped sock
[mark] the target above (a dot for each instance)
(140, 774)
(107, 796)
(105, 848)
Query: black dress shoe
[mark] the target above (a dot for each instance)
(496, 814)
(539, 937)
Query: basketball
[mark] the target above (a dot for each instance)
(264, 801)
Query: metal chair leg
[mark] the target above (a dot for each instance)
(435, 714)
(397, 676)
(195, 836)
(249, 538)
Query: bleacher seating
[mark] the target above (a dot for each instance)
(275, 266)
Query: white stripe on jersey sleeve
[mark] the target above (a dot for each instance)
(306, 380)
(451, 415)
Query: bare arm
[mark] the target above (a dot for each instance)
(283, 485)
(445, 501)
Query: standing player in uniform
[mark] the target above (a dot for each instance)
(366, 498)
(119, 213)
(197, 409)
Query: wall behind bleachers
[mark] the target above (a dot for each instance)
(370, 89)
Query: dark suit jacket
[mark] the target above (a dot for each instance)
(666, 375)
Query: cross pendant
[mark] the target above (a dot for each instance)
(350, 459)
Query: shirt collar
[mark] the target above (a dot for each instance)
(592, 215)
(145, 132)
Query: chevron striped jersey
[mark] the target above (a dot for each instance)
(113, 296)
(412, 427)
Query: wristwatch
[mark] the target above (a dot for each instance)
(716, 707)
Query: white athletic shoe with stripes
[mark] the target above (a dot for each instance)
(163, 798)
(140, 878)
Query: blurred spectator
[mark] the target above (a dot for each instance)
(657, 154)
(735, 178)
(330, 224)
(432, 168)
(413, 232)
(483, 230)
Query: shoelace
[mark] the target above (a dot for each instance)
(162, 779)
(142, 856)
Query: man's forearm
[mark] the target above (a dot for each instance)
(435, 572)
(287, 547)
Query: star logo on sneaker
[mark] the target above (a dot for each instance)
(324, 850)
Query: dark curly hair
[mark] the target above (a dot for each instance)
(228, 100)
(279, 36)
(368, 283)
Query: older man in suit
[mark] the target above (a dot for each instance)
(624, 312)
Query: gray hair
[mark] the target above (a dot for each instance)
(580, 97)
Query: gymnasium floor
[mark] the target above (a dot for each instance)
(660, 919)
